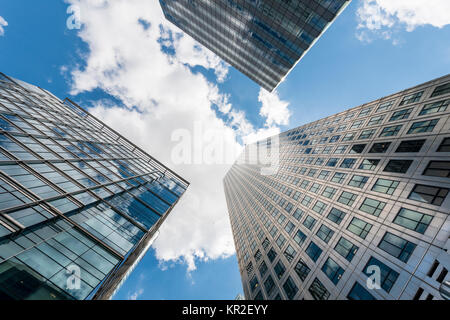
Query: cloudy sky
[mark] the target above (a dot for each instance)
(186, 107)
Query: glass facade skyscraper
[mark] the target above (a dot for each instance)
(79, 203)
(263, 39)
(359, 208)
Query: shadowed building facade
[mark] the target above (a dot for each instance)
(79, 204)
(359, 208)
(263, 39)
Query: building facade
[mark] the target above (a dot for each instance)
(79, 204)
(359, 208)
(263, 39)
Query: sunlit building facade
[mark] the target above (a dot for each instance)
(79, 203)
(359, 208)
(263, 39)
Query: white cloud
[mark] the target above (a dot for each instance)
(126, 60)
(273, 108)
(3, 23)
(136, 294)
(382, 18)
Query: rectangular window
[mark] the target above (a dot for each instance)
(302, 269)
(319, 207)
(440, 90)
(309, 222)
(388, 277)
(347, 198)
(300, 237)
(298, 213)
(336, 215)
(375, 120)
(348, 163)
(400, 115)
(397, 247)
(313, 251)
(349, 136)
(372, 206)
(339, 177)
(358, 181)
(359, 227)
(318, 290)
(281, 241)
(329, 192)
(390, 131)
(411, 98)
(358, 292)
(306, 201)
(346, 249)
(289, 253)
(289, 227)
(366, 134)
(369, 164)
(423, 126)
(445, 146)
(323, 175)
(410, 146)
(332, 270)
(380, 147)
(385, 186)
(341, 149)
(325, 233)
(413, 220)
(357, 148)
(398, 166)
(290, 288)
(429, 194)
(438, 169)
(269, 284)
(271, 254)
(279, 269)
(332, 162)
(434, 107)
(385, 106)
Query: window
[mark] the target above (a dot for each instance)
(372, 206)
(302, 269)
(271, 255)
(438, 169)
(325, 233)
(329, 192)
(332, 162)
(358, 292)
(349, 136)
(318, 290)
(356, 124)
(340, 149)
(385, 106)
(347, 198)
(263, 269)
(445, 146)
(336, 215)
(369, 164)
(346, 249)
(254, 283)
(290, 288)
(375, 120)
(435, 107)
(279, 269)
(323, 175)
(298, 213)
(390, 131)
(289, 227)
(306, 201)
(400, 115)
(315, 187)
(398, 166)
(334, 139)
(269, 284)
(359, 227)
(413, 220)
(358, 148)
(281, 241)
(259, 296)
(428, 194)
(366, 134)
(387, 277)
(365, 112)
(309, 222)
(423, 126)
(397, 247)
(339, 177)
(380, 147)
(411, 98)
(313, 251)
(410, 146)
(319, 207)
(289, 253)
(358, 181)
(300, 237)
(332, 270)
(385, 186)
(442, 89)
(348, 163)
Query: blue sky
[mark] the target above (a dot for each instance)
(118, 69)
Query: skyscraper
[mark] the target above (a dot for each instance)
(359, 208)
(79, 203)
(263, 39)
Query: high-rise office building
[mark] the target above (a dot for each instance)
(79, 203)
(359, 208)
(263, 39)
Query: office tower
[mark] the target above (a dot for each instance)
(262, 39)
(359, 208)
(79, 203)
